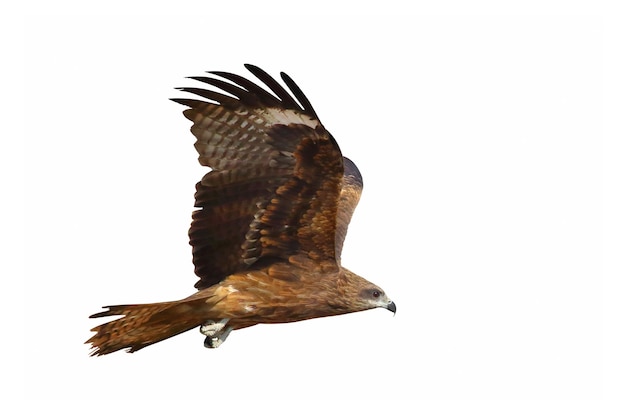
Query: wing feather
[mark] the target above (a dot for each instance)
(287, 100)
(308, 108)
(277, 186)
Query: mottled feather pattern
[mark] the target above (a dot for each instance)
(225, 138)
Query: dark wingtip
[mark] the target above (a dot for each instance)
(184, 102)
(188, 102)
(101, 314)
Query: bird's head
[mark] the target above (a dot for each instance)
(363, 295)
(374, 297)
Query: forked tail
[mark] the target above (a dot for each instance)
(145, 324)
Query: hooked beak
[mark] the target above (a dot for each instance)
(391, 306)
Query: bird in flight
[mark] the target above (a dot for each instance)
(270, 220)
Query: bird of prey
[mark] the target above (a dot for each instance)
(271, 218)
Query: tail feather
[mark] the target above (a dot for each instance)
(145, 324)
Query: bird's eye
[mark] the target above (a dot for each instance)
(376, 294)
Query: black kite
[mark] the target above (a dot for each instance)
(271, 220)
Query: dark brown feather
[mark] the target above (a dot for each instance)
(276, 179)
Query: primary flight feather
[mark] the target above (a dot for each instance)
(271, 219)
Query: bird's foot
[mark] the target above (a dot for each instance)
(213, 342)
(216, 333)
(211, 327)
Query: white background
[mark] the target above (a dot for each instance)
(482, 140)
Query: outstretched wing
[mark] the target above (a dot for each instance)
(277, 174)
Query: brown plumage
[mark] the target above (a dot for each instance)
(271, 221)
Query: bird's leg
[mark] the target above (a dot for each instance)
(216, 332)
